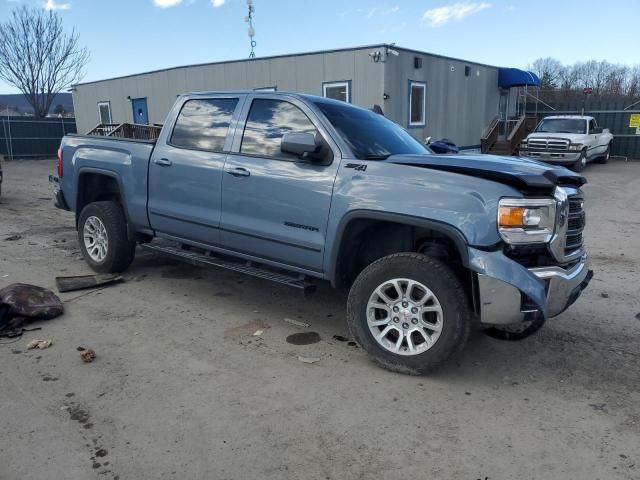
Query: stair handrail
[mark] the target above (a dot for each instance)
(491, 136)
(518, 133)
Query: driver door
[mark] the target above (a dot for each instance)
(275, 206)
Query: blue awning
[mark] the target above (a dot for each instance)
(514, 77)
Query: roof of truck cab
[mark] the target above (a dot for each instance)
(303, 96)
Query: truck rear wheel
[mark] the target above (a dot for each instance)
(102, 233)
(409, 312)
(607, 154)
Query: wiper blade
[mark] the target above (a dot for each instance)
(377, 157)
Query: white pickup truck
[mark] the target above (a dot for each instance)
(570, 140)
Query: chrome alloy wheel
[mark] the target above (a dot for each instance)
(96, 241)
(404, 316)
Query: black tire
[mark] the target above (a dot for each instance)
(120, 250)
(580, 163)
(445, 285)
(605, 157)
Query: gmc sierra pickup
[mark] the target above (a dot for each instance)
(298, 189)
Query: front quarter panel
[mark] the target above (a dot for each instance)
(466, 203)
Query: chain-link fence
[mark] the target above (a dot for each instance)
(614, 115)
(30, 137)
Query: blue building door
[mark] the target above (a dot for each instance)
(140, 113)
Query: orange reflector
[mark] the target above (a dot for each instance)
(512, 216)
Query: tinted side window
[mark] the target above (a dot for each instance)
(203, 124)
(267, 122)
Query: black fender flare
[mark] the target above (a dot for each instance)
(448, 230)
(116, 177)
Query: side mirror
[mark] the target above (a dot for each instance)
(427, 141)
(300, 144)
(596, 130)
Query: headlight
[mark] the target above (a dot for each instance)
(576, 146)
(522, 220)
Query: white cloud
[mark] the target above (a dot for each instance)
(394, 9)
(217, 3)
(52, 5)
(166, 3)
(456, 11)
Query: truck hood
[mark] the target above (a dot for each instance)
(572, 137)
(528, 176)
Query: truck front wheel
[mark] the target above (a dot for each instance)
(409, 312)
(102, 234)
(580, 163)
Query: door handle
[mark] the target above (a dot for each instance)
(163, 162)
(239, 172)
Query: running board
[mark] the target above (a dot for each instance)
(249, 268)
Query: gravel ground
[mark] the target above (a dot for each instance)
(181, 389)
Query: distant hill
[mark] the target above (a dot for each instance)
(13, 101)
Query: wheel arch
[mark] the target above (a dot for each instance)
(96, 184)
(356, 222)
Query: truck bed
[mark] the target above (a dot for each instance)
(127, 130)
(125, 160)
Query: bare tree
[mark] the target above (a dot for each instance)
(549, 70)
(38, 57)
(632, 87)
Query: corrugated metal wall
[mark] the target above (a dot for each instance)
(459, 107)
(298, 73)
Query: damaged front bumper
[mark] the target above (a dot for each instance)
(509, 293)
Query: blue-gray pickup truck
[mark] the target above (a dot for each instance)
(300, 189)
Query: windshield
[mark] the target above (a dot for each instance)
(370, 135)
(563, 125)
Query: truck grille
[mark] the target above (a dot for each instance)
(548, 144)
(575, 224)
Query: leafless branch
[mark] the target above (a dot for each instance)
(38, 57)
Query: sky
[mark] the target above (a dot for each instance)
(133, 36)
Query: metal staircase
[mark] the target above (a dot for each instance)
(504, 137)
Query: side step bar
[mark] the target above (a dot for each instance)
(249, 268)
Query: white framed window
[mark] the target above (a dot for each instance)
(417, 103)
(104, 112)
(337, 90)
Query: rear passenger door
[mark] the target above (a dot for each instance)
(185, 172)
(275, 206)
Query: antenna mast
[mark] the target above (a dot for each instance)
(251, 31)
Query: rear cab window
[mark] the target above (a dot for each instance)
(203, 124)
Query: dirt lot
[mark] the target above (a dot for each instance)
(181, 388)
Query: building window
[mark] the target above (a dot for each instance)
(203, 124)
(267, 123)
(104, 112)
(337, 90)
(417, 103)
